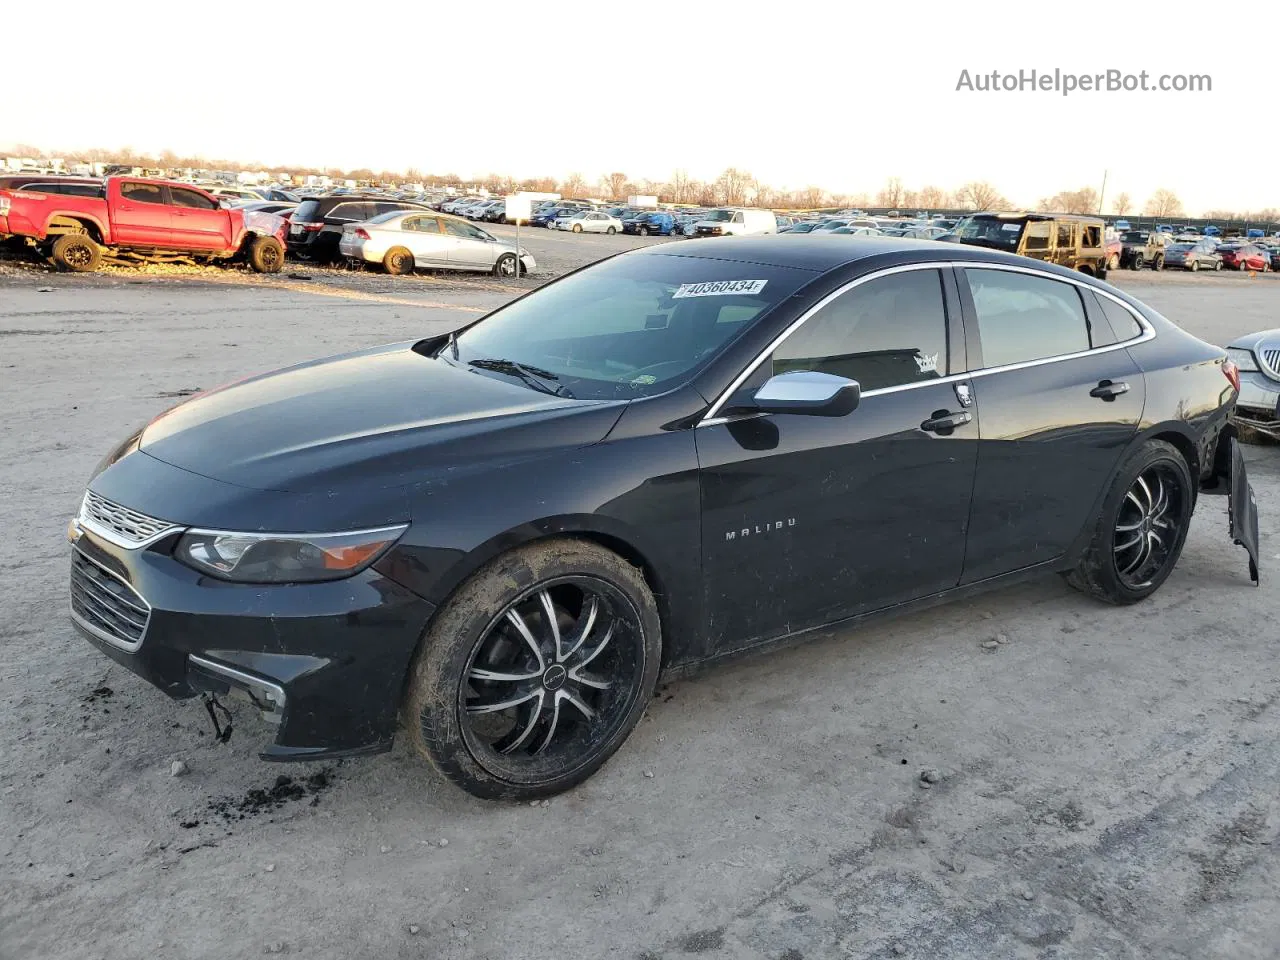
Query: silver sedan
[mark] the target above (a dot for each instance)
(588, 221)
(405, 240)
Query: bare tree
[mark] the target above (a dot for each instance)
(1121, 204)
(980, 195)
(1163, 203)
(891, 194)
(933, 198)
(617, 184)
(1084, 200)
(811, 197)
(572, 186)
(679, 187)
(732, 186)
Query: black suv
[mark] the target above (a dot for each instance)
(317, 223)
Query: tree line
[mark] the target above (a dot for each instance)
(733, 187)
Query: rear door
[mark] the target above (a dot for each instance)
(198, 222)
(1059, 397)
(140, 216)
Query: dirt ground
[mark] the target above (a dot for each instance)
(1108, 780)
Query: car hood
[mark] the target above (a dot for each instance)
(1255, 341)
(383, 417)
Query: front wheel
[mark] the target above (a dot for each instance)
(536, 671)
(1157, 263)
(76, 252)
(643, 231)
(1141, 529)
(506, 266)
(1217, 265)
(1113, 262)
(577, 228)
(1195, 265)
(1139, 261)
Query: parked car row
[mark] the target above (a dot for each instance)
(1159, 249)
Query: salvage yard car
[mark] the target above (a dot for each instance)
(137, 217)
(1258, 357)
(318, 224)
(504, 535)
(1074, 242)
(1193, 255)
(402, 242)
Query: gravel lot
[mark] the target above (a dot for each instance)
(1107, 779)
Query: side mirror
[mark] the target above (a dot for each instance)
(808, 392)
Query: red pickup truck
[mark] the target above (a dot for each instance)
(139, 216)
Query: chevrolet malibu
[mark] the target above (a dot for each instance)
(499, 539)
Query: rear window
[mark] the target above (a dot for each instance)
(306, 210)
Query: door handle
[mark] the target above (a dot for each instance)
(1108, 390)
(944, 422)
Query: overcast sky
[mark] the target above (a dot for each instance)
(797, 93)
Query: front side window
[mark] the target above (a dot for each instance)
(1066, 240)
(1023, 317)
(883, 333)
(632, 326)
(457, 228)
(142, 192)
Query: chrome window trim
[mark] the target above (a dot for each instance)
(126, 645)
(243, 676)
(711, 419)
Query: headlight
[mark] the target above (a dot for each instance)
(284, 557)
(1243, 359)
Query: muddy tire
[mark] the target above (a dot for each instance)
(1138, 262)
(266, 255)
(398, 262)
(500, 699)
(1113, 262)
(1139, 533)
(577, 228)
(77, 252)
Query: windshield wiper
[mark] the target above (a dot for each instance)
(535, 377)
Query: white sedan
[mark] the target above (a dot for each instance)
(588, 221)
(407, 239)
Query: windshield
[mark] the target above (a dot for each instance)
(990, 232)
(1134, 236)
(718, 215)
(632, 326)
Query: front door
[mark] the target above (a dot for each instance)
(1060, 401)
(141, 217)
(470, 248)
(807, 519)
(198, 222)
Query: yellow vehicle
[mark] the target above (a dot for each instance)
(1069, 240)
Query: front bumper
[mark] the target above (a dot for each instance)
(326, 662)
(1258, 405)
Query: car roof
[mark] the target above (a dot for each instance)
(828, 251)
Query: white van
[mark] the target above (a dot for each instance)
(736, 221)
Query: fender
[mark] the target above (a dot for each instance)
(104, 230)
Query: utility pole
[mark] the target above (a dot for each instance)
(1103, 192)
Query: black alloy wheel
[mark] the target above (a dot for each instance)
(555, 673)
(1146, 529)
(535, 671)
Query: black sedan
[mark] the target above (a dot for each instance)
(501, 538)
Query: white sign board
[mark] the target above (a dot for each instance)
(519, 208)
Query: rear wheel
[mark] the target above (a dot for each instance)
(611, 231)
(76, 252)
(536, 671)
(1157, 263)
(398, 261)
(1141, 529)
(1195, 265)
(266, 255)
(1113, 262)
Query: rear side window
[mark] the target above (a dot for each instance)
(1123, 323)
(350, 211)
(1038, 234)
(421, 224)
(1023, 317)
(884, 333)
(142, 192)
(189, 198)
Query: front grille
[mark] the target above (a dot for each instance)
(120, 524)
(1270, 357)
(105, 604)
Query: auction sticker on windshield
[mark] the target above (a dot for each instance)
(1011, 226)
(719, 288)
